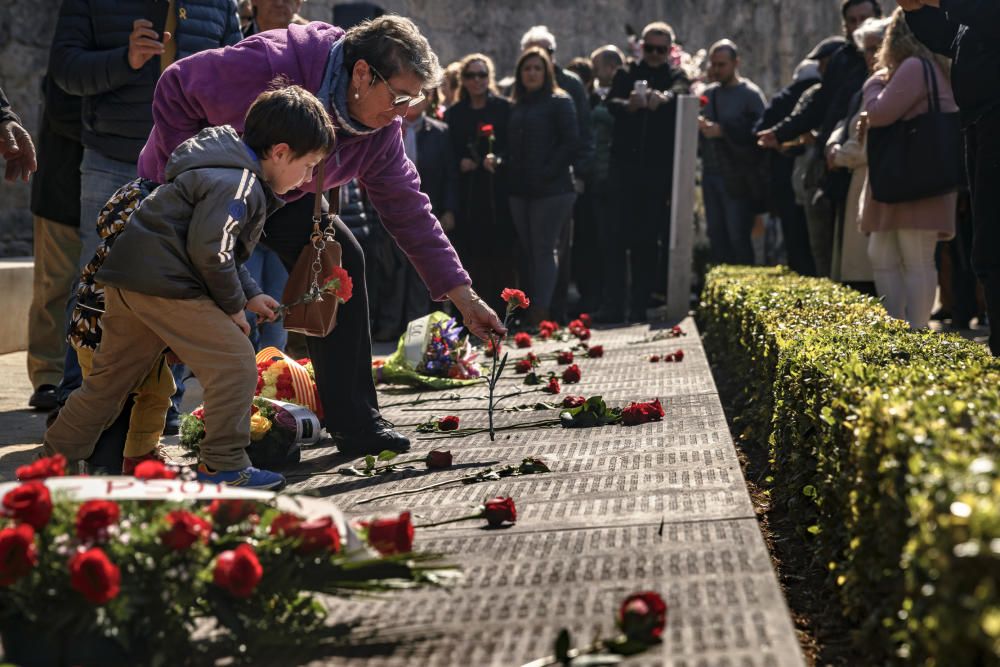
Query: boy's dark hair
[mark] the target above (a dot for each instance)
(847, 4)
(290, 115)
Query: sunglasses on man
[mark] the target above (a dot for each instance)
(398, 100)
(651, 49)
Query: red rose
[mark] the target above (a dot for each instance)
(654, 358)
(449, 423)
(595, 351)
(500, 510)
(552, 387)
(18, 554)
(571, 374)
(94, 518)
(515, 298)
(573, 401)
(50, 466)
(285, 525)
(485, 130)
(94, 576)
(522, 340)
(587, 320)
(318, 535)
(231, 512)
(642, 413)
(564, 357)
(439, 460)
(29, 503)
(238, 571)
(643, 616)
(184, 529)
(522, 366)
(391, 536)
(154, 470)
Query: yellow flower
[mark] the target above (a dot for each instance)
(259, 426)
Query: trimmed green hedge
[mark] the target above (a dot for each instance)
(883, 445)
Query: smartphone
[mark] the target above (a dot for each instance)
(642, 88)
(155, 11)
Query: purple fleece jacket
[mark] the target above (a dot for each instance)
(216, 87)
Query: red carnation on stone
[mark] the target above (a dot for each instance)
(29, 503)
(573, 401)
(571, 374)
(522, 340)
(552, 387)
(515, 298)
(94, 576)
(654, 358)
(500, 510)
(439, 460)
(643, 616)
(564, 357)
(391, 536)
(522, 366)
(238, 571)
(43, 468)
(641, 413)
(595, 351)
(94, 518)
(449, 423)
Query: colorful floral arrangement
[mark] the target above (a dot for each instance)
(282, 378)
(433, 353)
(273, 431)
(124, 582)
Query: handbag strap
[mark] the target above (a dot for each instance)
(931, 83)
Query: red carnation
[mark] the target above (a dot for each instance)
(522, 366)
(500, 510)
(595, 351)
(94, 518)
(679, 355)
(231, 512)
(641, 413)
(571, 374)
(18, 554)
(654, 358)
(449, 423)
(545, 334)
(154, 470)
(564, 357)
(344, 287)
(548, 325)
(439, 460)
(677, 331)
(493, 348)
(582, 334)
(643, 616)
(391, 536)
(587, 320)
(573, 401)
(486, 129)
(29, 503)
(50, 466)
(552, 387)
(94, 576)
(184, 529)
(198, 413)
(515, 298)
(522, 340)
(703, 101)
(238, 571)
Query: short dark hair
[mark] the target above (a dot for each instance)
(583, 69)
(288, 115)
(847, 4)
(550, 85)
(392, 44)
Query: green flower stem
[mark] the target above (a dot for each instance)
(436, 399)
(462, 433)
(481, 515)
(435, 485)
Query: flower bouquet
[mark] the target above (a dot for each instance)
(280, 377)
(432, 353)
(276, 431)
(119, 571)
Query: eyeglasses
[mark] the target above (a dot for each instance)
(397, 99)
(651, 49)
(475, 75)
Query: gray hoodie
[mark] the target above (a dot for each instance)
(190, 237)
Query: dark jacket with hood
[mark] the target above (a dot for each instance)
(968, 32)
(191, 236)
(542, 145)
(90, 58)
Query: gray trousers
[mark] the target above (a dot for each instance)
(539, 223)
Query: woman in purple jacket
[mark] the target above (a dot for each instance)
(367, 78)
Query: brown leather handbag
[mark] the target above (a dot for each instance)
(312, 312)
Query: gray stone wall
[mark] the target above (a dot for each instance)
(774, 34)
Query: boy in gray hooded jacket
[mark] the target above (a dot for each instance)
(175, 279)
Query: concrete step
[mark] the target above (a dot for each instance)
(16, 276)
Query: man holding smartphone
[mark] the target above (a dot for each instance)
(642, 101)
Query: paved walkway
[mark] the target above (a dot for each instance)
(662, 507)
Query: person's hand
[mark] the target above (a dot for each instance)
(831, 156)
(636, 101)
(478, 317)
(709, 130)
(18, 150)
(143, 43)
(656, 98)
(447, 221)
(467, 165)
(264, 306)
(490, 163)
(240, 319)
(768, 139)
(809, 138)
(863, 127)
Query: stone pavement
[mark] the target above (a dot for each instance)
(660, 507)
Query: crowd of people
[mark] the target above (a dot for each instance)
(555, 178)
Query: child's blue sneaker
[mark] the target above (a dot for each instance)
(247, 478)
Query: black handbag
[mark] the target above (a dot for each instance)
(917, 158)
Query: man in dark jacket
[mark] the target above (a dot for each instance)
(642, 100)
(968, 31)
(55, 205)
(403, 296)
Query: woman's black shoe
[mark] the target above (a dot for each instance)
(378, 437)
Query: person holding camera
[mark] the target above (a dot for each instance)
(642, 101)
